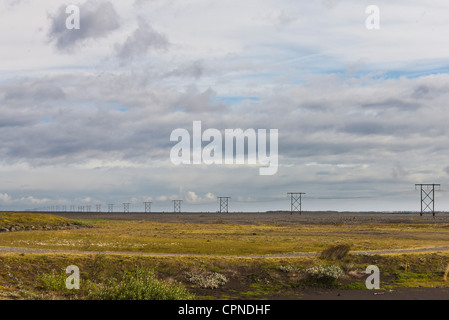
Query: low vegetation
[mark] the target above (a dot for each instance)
(234, 268)
(111, 277)
(221, 238)
(139, 284)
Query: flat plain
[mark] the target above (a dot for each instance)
(229, 255)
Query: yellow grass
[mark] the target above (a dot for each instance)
(228, 238)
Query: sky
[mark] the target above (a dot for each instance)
(86, 114)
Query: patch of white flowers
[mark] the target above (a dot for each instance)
(208, 281)
(325, 272)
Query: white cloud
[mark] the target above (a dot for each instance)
(4, 197)
(192, 197)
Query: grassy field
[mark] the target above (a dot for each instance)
(226, 238)
(227, 271)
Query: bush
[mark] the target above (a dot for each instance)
(53, 281)
(139, 285)
(327, 275)
(337, 252)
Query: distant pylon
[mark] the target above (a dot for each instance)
(98, 206)
(126, 207)
(224, 204)
(427, 197)
(147, 207)
(110, 207)
(295, 202)
(177, 206)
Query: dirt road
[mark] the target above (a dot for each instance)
(280, 255)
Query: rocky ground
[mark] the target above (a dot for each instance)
(17, 227)
(267, 217)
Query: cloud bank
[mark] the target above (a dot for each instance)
(362, 115)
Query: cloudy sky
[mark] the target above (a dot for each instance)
(86, 114)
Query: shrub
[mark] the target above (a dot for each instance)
(53, 281)
(337, 252)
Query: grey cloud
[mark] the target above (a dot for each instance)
(35, 91)
(11, 120)
(365, 128)
(98, 20)
(141, 42)
(329, 4)
(93, 121)
(429, 91)
(393, 103)
(192, 70)
(381, 127)
(28, 102)
(421, 92)
(398, 171)
(195, 101)
(12, 3)
(119, 116)
(285, 19)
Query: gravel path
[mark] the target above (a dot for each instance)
(280, 255)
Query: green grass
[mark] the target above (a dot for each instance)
(139, 284)
(53, 281)
(355, 286)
